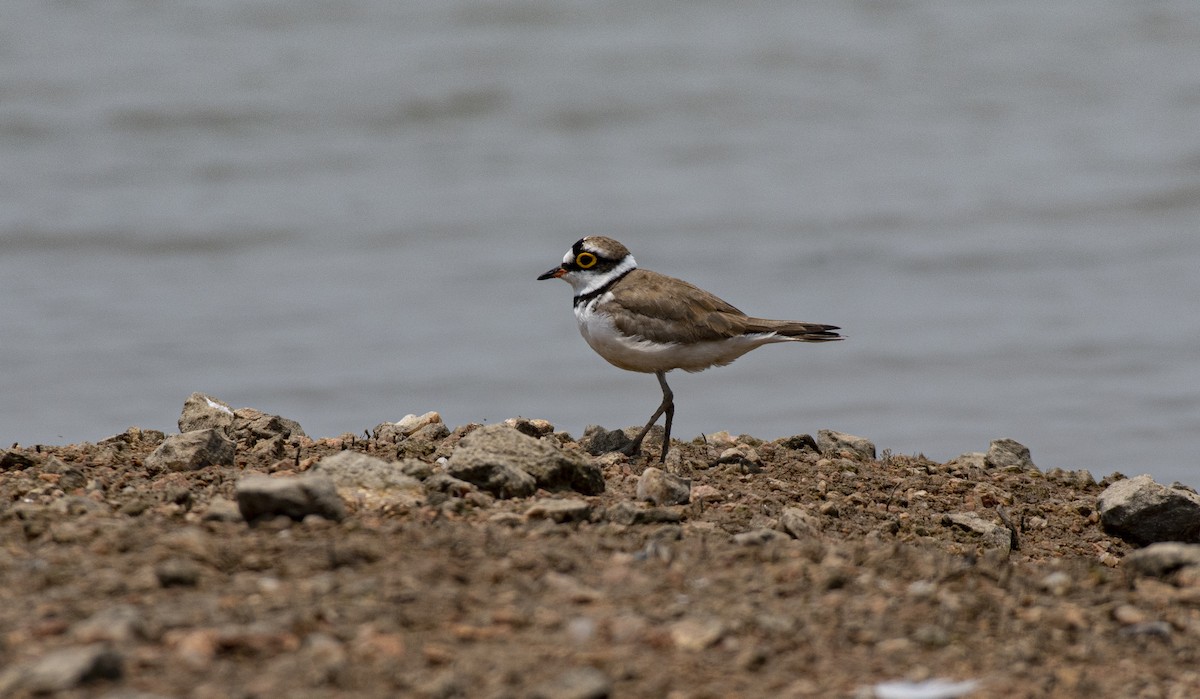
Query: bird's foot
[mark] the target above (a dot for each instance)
(632, 449)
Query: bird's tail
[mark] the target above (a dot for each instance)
(795, 330)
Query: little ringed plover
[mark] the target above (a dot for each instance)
(644, 321)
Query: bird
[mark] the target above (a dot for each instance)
(643, 321)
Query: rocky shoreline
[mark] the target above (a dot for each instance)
(242, 558)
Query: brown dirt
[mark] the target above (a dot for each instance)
(467, 596)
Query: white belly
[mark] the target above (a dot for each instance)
(639, 354)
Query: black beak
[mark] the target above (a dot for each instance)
(553, 274)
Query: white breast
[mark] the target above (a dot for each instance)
(640, 354)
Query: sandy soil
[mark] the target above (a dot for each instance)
(153, 579)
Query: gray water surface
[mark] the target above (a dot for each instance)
(336, 212)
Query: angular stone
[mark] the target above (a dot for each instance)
(994, 535)
(134, 436)
(428, 426)
(1143, 512)
(252, 426)
(500, 479)
(502, 460)
(597, 440)
(743, 455)
(15, 461)
(533, 428)
(720, 440)
(203, 412)
(410, 424)
(388, 433)
(1008, 453)
(261, 497)
(193, 450)
(70, 477)
(829, 508)
(431, 433)
(357, 470)
(448, 485)
(798, 523)
(800, 441)
(1080, 479)
(372, 481)
(1163, 558)
(830, 443)
(970, 459)
(662, 488)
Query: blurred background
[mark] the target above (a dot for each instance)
(335, 211)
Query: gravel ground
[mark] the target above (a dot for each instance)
(791, 570)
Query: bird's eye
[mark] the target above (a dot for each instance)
(585, 260)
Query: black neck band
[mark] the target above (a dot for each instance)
(595, 293)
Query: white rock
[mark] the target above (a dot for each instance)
(929, 689)
(410, 423)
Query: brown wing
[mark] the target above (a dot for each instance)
(666, 309)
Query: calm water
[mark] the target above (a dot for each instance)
(336, 211)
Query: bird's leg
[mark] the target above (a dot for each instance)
(667, 406)
(669, 402)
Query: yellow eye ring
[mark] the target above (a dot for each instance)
(585, 260)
